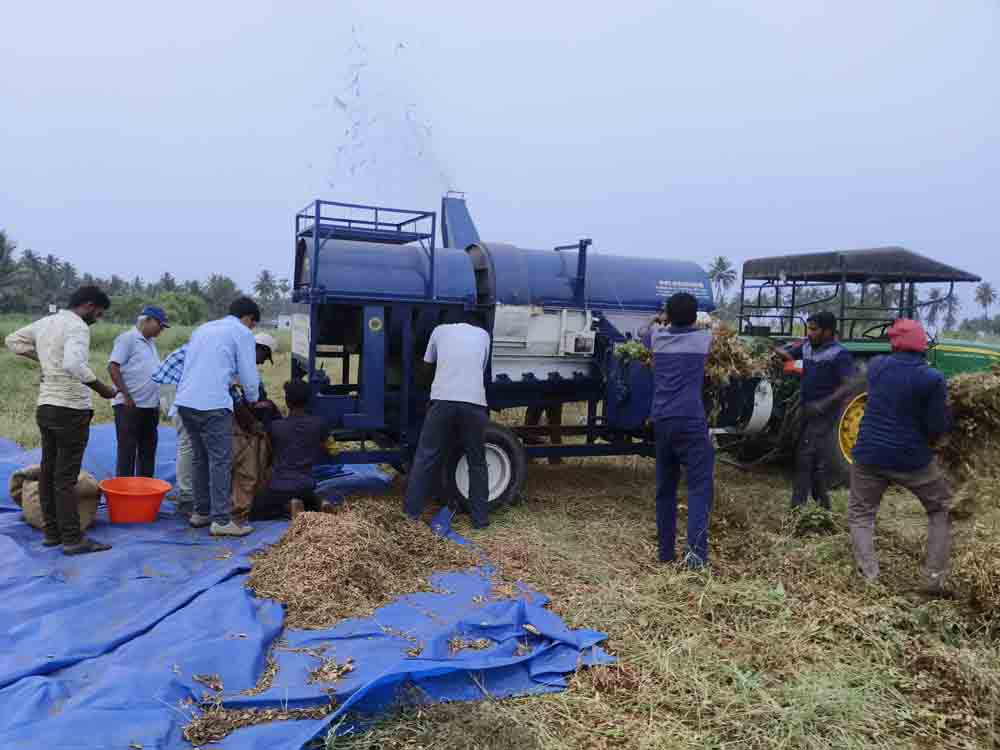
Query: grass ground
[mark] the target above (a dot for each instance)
(780, 646)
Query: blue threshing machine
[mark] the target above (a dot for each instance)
(371, 284)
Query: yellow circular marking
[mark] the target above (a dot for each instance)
(850, 425)
(375, 325)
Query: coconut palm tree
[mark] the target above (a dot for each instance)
(952, 306)
(986, 296)
(9, 274)
(722, 275)
(934, 307)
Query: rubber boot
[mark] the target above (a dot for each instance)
(863, 541)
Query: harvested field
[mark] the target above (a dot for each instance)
(779, 646)
(329, 567)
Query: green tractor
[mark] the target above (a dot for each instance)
(867, 290)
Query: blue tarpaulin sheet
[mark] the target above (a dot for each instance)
(101, 651)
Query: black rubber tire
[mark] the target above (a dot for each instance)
(838, 462)
(500, 438)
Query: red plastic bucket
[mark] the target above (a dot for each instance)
(134, 499)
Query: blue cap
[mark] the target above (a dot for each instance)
(156, 313)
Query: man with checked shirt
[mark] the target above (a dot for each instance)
(168, 376)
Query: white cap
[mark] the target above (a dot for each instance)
(266, 339)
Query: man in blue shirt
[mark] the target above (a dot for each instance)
(679, 352)
(906, 413)
(827, 370)
(219, 353)
(132, 363)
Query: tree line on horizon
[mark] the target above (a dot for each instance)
(30, 282)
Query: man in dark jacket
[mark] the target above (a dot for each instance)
(906, 413)
(827, 368)
(679, 352)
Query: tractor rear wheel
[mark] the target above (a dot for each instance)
(506, 463)
(845, 434)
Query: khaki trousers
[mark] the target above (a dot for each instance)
(868, 485)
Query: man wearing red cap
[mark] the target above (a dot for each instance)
(906, 413)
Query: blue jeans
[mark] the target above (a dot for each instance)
(211, 435)
(684, 442)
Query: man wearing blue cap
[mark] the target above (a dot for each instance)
(133, 361)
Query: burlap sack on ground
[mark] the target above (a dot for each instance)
(23, 488)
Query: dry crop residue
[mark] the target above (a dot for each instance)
(328, 567)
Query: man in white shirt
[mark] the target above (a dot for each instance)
(457, 415)
(132, 363)
(60, 343)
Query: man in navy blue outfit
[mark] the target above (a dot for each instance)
(679, 352)
(827, 373)
(906, 413)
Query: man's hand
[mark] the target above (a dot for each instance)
(129, 401)
(102, 390)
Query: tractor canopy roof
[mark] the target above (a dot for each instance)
(879, 264)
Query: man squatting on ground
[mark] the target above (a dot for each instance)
(131, 365)
(827, 370)
(905, 415)
(679, 353)
(60, 343)
(457, 415)
(297, 441)
(218, 353)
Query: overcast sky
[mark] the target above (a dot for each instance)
(138, 138)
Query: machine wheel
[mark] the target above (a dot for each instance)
(506, 462)
(845, 435)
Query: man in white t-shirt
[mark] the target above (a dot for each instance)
(457, 415)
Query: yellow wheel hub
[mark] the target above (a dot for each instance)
(850, 425)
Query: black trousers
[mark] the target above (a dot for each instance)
(811, 460)
(137, 436)
(449, 424)
(272, 505)
(65, 433)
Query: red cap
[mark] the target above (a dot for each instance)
(907, 335)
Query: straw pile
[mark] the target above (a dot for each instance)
(217, 723)
(971, 453)
(328, 567)
(978, 567)
(974, 443)
(731, 358)
(971, 456)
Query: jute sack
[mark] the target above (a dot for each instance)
(251, 466)
(24, 491)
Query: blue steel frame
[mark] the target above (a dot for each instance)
(319, 222)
